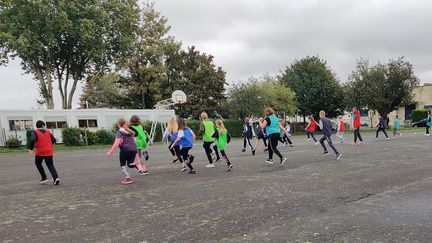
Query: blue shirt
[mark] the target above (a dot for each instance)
(273, 127)
(186, 140)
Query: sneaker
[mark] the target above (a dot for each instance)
(291, 145)
(243, 150)
(283, 160)
(388, 138)
(184, 169)
(325, 153)
(270, 161)
(210, 166)
(175, 161)
(309, 139)
(56, 182)
(129, 181)
(44, 182)
(192, 172)
(218, 160)
(253, 152)
(265, 150)
(229, 167)
(354, 143)
(338, 156)
(316, 143)
(191, 159)
(143, 173)
(362, 142)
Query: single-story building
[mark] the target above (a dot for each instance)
(15, 122)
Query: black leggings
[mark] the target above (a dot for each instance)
(286, 139)
(272, 144)
(208, 151)
(246, 141)
(174, 150)
(357, 135)
(184, 156)
(127, 158)
(427, 129)
(49, 163)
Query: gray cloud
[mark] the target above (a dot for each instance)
(253, 37)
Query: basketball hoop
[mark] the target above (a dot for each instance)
(178, 97)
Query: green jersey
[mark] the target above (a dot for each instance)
(222, 139)
(140, 137)
(208, 131)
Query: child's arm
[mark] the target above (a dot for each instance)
(175, 142)
(282, 128)
(116, 144)
(262, 122)
(193, 135)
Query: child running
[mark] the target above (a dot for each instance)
(170, 135)
(185, 138)
(261, 136)
(428, 124)
(356, 116)
(221, 134)
(128, 149)
(42, 140)
(248, 135)
(326, 126)
(381, 127)
(207, 128)
(272, 126)
(340, 129)
(396, 127)
(141, 139)
(290, 131)
(285, 137)
(311, 128)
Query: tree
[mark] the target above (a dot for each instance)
(64, 41)
(103, 91)
(145, 68)
(382, 87)
(252, 97)
(315, 86)
(197, 75)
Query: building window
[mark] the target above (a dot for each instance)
(87, 123)
(55, 124)
(20, 125)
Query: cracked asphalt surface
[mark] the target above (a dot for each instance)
(378, 192)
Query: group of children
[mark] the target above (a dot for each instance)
(133, 140)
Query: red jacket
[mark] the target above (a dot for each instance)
(312, 126)
(43, 144)
(357, 120)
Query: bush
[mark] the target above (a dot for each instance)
(419, 114)
(13, 142)
(89, 136)
(72, 137)
(104, 137)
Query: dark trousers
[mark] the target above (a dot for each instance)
(357, 135)
(272, 145)
(381, 129)
(175, 150)
(49, 163)
(127, 158)
(246, 141)
(311, 135)
(286, 139)
(329, 141)
(208, 151)
(184, 156)
(427, 129)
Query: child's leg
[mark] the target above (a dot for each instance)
(322, 143)
(312, 134)
(308, 134)
(38, 162)
(143, 153)
(265, 142)
(123, 160)
(377, 131)
(273, 142)
(216, 152)
(289, 140)
(50, 164)
(208, 151)
(331, 145)
(225, 157)
(385, 133)
(359, 135)
(185, 156)
(250, 144)
(244, 142)
(138, 158)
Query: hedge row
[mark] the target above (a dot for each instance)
(78, 137)
(419, 114)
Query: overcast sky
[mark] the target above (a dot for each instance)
(254, 37)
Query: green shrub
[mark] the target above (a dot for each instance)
(13, 142)
(419, 114)
(235, 127)
(72, 137)
(158, 132)
(89, 136)
(105, 137)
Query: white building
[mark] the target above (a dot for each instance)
(14, 122)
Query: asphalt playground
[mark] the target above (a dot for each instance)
(378, 192)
